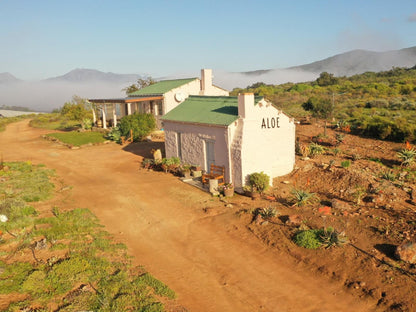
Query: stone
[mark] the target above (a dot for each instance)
(407, 252)
(229, 206)
(339, 204)
(265, 222)
(41, 244)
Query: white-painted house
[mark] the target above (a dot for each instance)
(158, 98)
(245, 134)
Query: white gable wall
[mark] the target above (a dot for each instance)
(267, 141)
(191, 88)
(193, 138)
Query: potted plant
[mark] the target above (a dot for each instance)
(196, 171)
(228, 189)
(185, 170)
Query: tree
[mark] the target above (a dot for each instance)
(326, 79)
(140, 84)
(320, 108)
(78, 110)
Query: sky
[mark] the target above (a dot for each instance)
(42, 39)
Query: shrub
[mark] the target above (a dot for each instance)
(259, 181)
(345, 164)
(329, 237)
(315, 149)
(407, 156)
(302, 197)
(388, 175)
(141, 124)
(114, 134)
(308, 239)
(267, 213)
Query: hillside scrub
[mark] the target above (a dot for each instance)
(380, 105)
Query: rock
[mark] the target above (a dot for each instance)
(41, 244)
(295, 220)
(339, 204)
(286, 182)
(229, 206)
(407, 252)
(265, 222)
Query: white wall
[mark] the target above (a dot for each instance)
(193, 144)
(267, 142)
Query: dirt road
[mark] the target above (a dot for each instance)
(210, 259)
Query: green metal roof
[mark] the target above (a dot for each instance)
(162, 87)
(213, 110)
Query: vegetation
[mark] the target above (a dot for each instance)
(140, 84)
(53, 121)
(302, 197)
(308, 239)
(268, 213)
(78, 110)
(141, 124)
(316, 238)
(80, 268)
(380, 105)
(259, 181)
(8, 120)
(407, 156)
(78, 138)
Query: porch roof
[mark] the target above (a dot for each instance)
(162, 87)
(126, 100)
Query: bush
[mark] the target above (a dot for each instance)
(114, 134)
(141, 124)
(259, 181)
(345, 164)
(315, 149)
(308, 239)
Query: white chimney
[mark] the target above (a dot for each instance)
(245, 104)
(206, 80)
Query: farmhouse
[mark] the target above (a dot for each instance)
(157, 99)
(244, 134)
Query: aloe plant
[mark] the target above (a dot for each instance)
(407, 156)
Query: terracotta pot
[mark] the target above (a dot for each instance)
(229, 192)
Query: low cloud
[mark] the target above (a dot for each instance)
(230, 81)
(46, 96)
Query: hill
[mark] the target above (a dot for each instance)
(360, 61)
(92, 75)
(380, 105)
(7, 78)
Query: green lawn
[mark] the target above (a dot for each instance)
(79, 138)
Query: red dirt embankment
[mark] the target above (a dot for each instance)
(211, 260)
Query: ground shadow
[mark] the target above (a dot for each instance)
(144, 149)
(387, 249)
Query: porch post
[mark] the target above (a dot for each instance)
(104, 118)
(114, 115)
(128, 108)
(94, 117)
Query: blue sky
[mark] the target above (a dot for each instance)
(41, 39)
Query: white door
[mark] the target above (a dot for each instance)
(209, 155)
